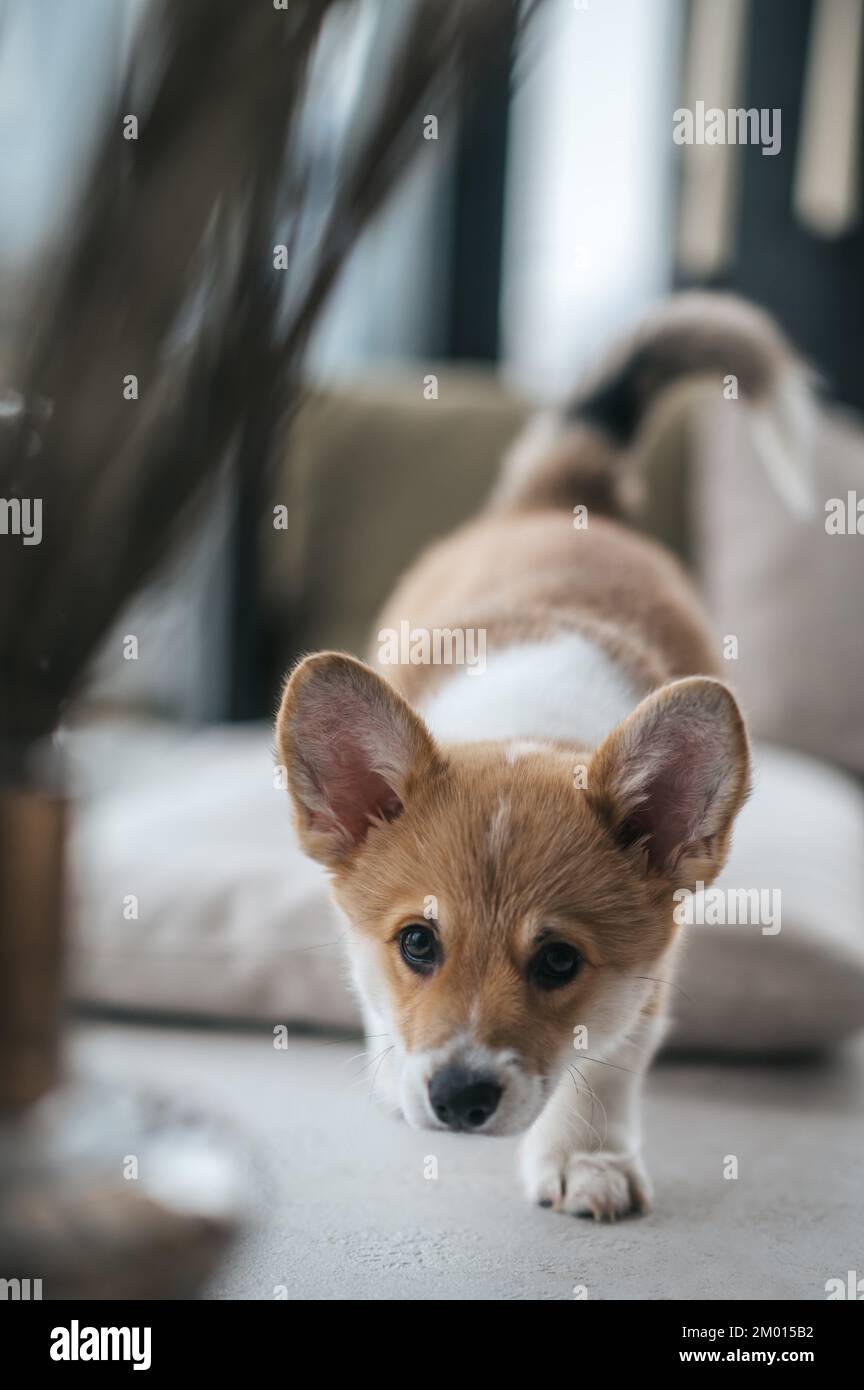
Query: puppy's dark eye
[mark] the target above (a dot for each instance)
(557, 964)
(419, 947)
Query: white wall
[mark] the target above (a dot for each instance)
(60, 63)
(590, 184)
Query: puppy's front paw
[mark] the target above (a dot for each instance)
(604, 1186)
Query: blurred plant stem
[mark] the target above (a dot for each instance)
(169, 275)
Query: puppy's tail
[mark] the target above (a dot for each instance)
(587, 453)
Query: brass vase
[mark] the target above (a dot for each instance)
(71, 1225)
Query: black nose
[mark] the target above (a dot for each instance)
(463, 1099)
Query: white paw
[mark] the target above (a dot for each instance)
(603, 1185)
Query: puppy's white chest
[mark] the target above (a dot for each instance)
(566, 689)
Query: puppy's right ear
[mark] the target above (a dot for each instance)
(352, 748)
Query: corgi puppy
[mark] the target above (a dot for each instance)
(505, 843)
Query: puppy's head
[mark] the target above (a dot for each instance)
(496, 903)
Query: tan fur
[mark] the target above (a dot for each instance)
(555, 863)
(553, 848)
(519, 577)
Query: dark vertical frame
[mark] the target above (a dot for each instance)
(477, 221)
(245, 666)
(812, 285)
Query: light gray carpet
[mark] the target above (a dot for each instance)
(342, 1209)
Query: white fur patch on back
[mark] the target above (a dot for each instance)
(524, 747)
(564, 689)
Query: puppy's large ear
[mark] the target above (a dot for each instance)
(351, 747)
(670, 780)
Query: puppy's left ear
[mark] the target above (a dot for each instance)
(353, 751)
(670, 780)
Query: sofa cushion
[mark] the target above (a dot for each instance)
(375, 472)
(233, 922)
(788, 590)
